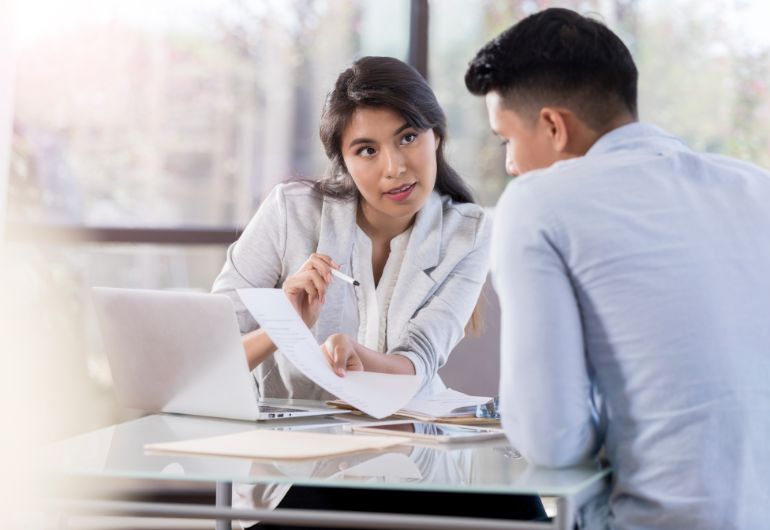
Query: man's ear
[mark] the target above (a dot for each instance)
(555, 125)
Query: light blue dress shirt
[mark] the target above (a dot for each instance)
(641, 273)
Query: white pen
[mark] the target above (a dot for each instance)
(344, 277)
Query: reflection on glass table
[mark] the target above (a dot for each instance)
(118, 451)
(485, 467)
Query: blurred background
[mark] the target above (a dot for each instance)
(137, 138)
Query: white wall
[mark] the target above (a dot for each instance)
(6, 97)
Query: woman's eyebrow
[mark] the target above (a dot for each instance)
(404, 126)
(356, 141)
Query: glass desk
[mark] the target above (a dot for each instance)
(489, 467)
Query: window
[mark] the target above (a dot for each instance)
(704, 70)
(177, 112)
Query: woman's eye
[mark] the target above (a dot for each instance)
(366, 151)
(408, 138)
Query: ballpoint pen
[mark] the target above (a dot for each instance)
(345, 277)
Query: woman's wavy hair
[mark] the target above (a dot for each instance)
(383, 82)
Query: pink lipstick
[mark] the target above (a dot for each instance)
(402, 193)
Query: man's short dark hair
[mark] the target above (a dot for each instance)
(557, 57)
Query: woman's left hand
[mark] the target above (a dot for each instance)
(342, 354)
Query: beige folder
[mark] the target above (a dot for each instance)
(278, 445)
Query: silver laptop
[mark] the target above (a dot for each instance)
(181, 352)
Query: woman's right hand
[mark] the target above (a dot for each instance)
(306, 288)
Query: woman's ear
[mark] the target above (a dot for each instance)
(556, 129)
(437, 138)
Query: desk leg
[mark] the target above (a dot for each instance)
(567, 506)
(224, 499)
(565, 513)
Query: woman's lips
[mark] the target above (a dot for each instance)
(400, 194)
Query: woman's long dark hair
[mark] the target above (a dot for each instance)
(383, 82)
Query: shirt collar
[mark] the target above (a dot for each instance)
(625, 136)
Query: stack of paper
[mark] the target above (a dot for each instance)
(444, 405)
(376, 394)
(449, 406)
(278, 445)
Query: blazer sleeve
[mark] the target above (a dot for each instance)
(256, 259)
(439, 325)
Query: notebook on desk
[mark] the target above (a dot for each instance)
(181, 352)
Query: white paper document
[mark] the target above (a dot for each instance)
(446, 404)
(378, 395)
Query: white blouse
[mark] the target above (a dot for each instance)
(370, 323)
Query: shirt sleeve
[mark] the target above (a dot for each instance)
(256, 259)
(545, 390)
(439, 325)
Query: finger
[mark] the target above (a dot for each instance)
(317, 261)
(326, 261)
(312, 292)
(293, 289)
(300, 288)
(319, 282)
(355, 364)
(309, 281)
(339, 361)
(313, 265)
(322, 266)
(329, 350)
(326, 353)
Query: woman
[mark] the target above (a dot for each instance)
(391, 213)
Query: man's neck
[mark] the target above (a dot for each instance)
(616, 123)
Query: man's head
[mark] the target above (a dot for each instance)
(554, 83)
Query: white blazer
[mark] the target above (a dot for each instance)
(443, 270)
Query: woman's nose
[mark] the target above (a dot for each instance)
(395, 163)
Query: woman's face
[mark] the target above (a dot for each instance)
(392, 164)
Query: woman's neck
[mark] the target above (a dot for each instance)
(380, 227)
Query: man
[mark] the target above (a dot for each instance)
(634, 282)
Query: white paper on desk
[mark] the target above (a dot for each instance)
(442, 404)
(378, 395)
(275, 445)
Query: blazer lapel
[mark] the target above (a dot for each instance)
(338, 223)
(422, 254)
